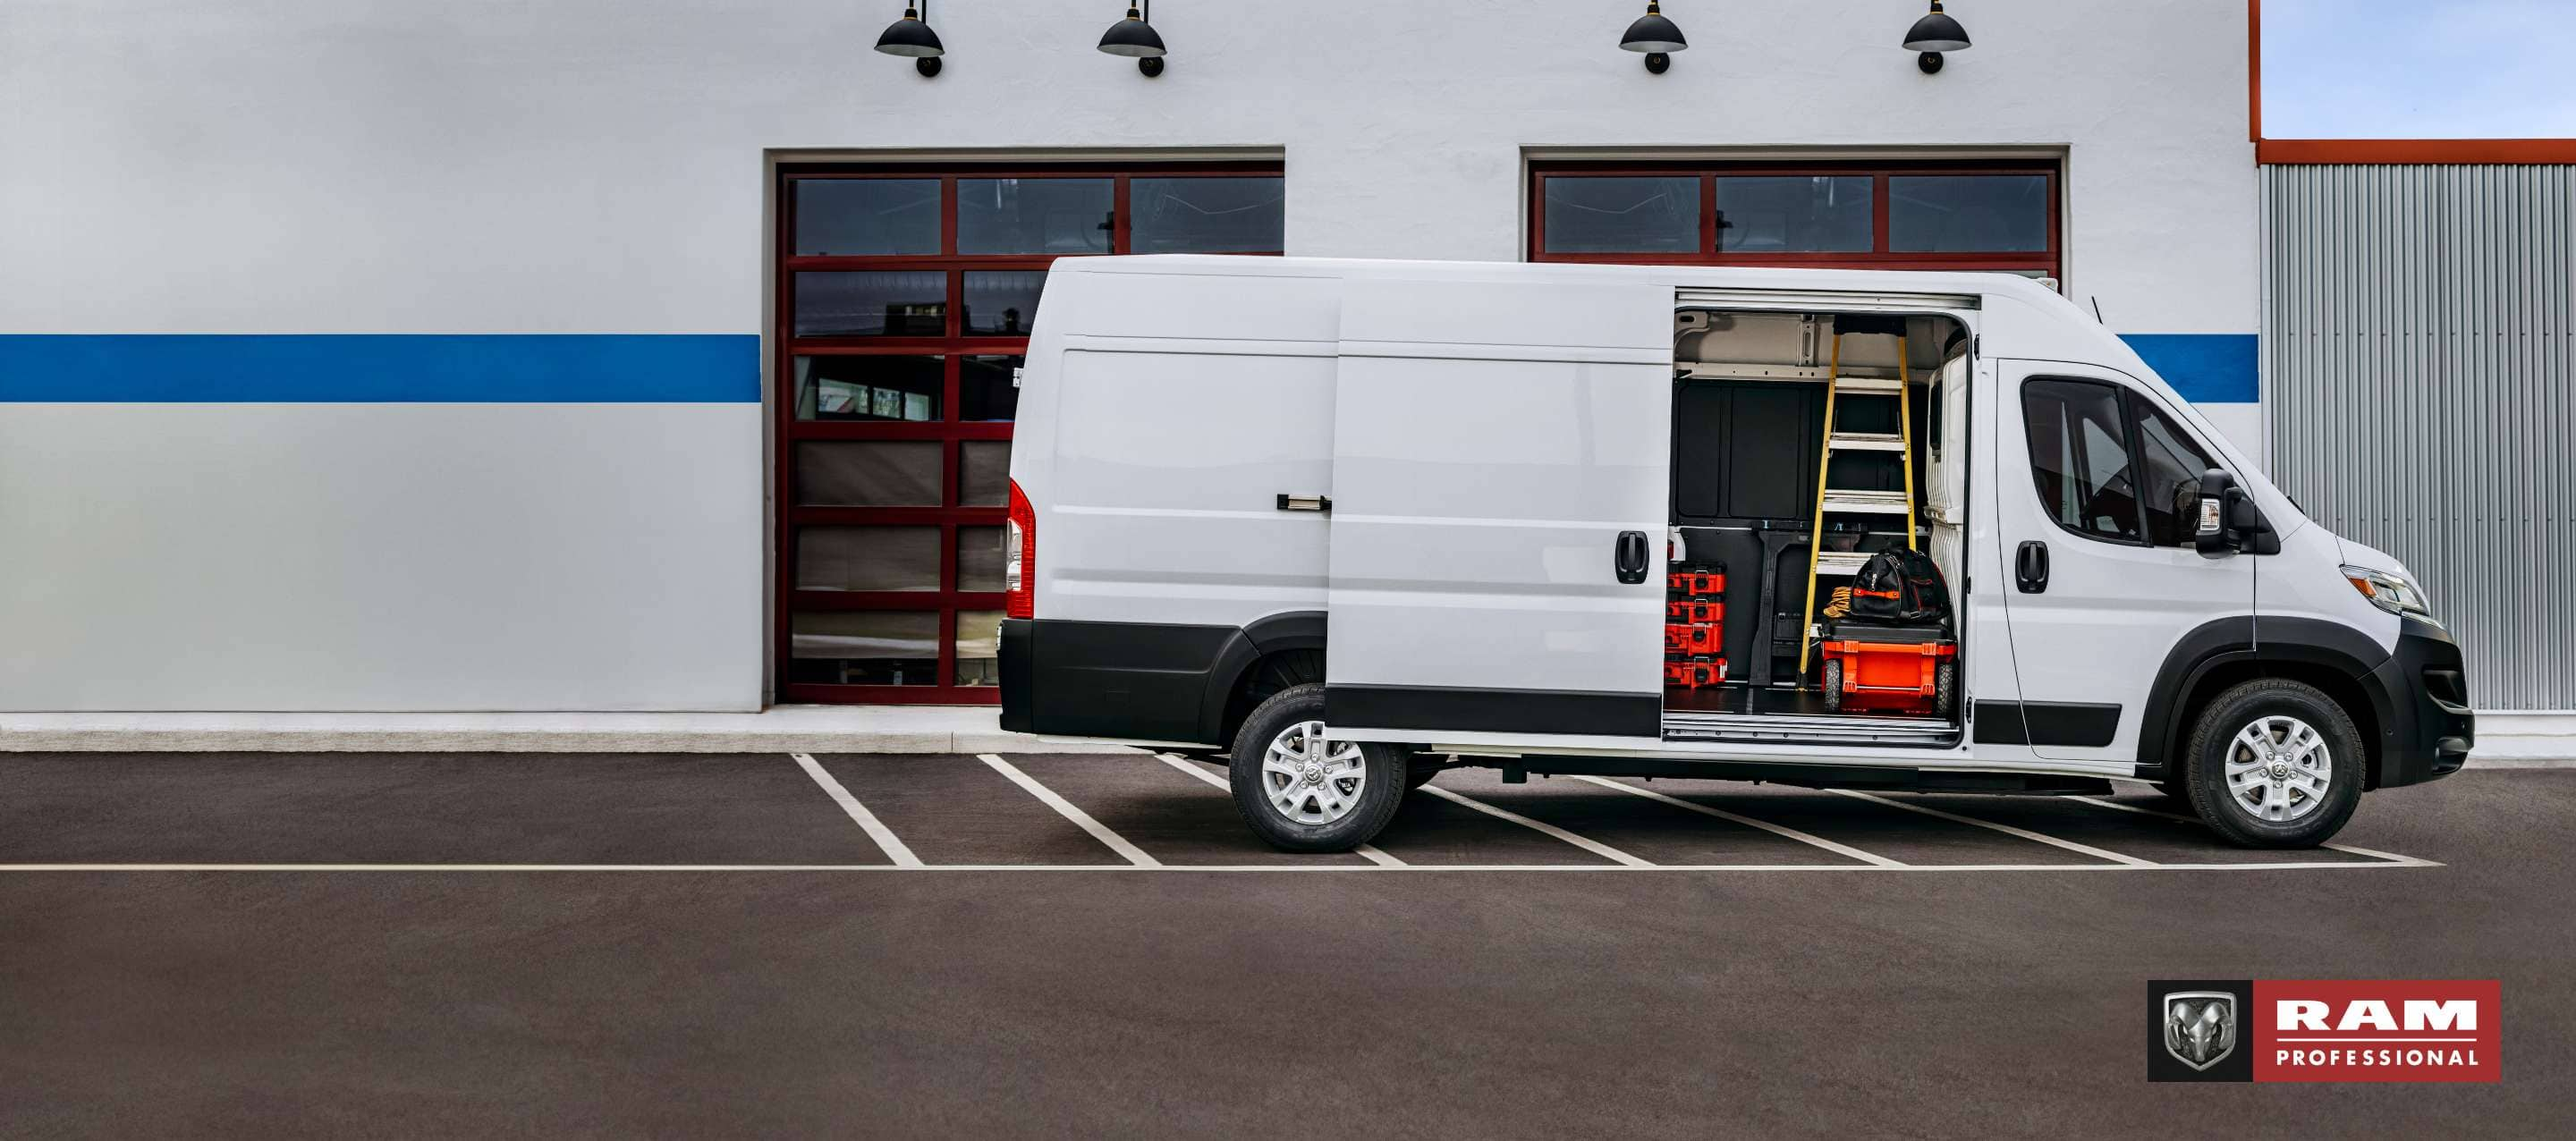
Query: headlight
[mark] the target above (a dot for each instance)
(2389, 592)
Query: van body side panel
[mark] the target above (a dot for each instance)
(1163, 416)
(1492, 443)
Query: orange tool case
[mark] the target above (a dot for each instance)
(1889, 668)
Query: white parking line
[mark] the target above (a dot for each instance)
(1747, 821)
(895, 848)
(2006, 829)
(1189, 868)
(1366, 851)
(1593, 846)
(1065, 808)
(2373, 853)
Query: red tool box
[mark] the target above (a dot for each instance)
(1693, 638)
(1696, 582)
(1695, 673)
(1695, 612)
(1890, 668)
(1695, 626)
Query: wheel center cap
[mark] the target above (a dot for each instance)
(1314, 772)
(2279, 770)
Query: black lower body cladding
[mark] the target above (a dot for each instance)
(2428, 728)
(1134, 680)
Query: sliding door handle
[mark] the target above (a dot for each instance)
(1631, 557)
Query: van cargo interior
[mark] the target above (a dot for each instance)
(1759, 446)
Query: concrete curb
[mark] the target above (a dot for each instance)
(201, 741)
(788, 729)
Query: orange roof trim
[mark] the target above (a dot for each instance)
(2319, 152)
(2514, 152)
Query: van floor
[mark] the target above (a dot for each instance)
(1740, 698)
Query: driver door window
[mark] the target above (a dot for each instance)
(2079, 458)
(2092, 445)
(2173, 466)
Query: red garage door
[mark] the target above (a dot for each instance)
(904, 302)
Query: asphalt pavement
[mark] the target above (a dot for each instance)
(415, 945)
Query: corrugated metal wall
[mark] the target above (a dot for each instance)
(2419, 345)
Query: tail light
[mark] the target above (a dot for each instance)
(1020, 557)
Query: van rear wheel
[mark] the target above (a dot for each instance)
(2274, 764)
(1303, 793)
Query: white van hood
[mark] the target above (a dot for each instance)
(2372, 558)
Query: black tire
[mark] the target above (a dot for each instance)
(1834, 686)
(2214, 738)
(1945, 688)
(1381, 791)
(1419, 770)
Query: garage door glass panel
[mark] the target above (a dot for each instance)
(1622, 215)
(979, 558)
(1207, 215)
(871, 304)
(988, 388)
(868, 217)
(1967, 213)
(979, 647)
(867, 473)
(863, 647)
(900, 388)
(867, 558)
(1794, 214)
(1034, 215)
(903, 313)
(1002, 303)
(984, 473)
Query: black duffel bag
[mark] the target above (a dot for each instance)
(1900, 587)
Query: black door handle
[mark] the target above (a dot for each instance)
(1632, 557)
(2030, 567)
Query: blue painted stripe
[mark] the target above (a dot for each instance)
(2206, 368)
(570, 368)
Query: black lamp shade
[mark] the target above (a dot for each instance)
(910, 36)
(1132, 37)
(1653, 33)
(1936, 32)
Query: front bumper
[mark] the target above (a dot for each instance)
(2426, 727)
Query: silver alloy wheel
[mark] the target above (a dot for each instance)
(2278, 769)
(1310, 780)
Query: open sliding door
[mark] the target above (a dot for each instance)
(1500, 488)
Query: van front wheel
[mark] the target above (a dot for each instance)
(1303, 793)
(2274, 764)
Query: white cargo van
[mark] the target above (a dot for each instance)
(1358, 521)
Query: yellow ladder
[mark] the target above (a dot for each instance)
(1846, 501)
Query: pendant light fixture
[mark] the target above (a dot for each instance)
(1135, 38)
(911, 36)
(1656, 36)
(1932, 35)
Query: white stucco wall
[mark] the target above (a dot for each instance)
(599, 166)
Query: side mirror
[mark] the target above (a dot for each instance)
(2213, 532)
(2226, 520)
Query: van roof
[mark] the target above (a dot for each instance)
(1701, 276)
